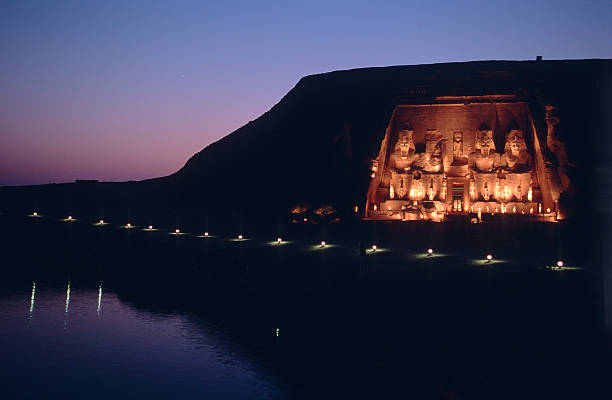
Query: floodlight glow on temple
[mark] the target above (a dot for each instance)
(468, 155)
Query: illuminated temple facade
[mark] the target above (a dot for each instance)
(474, 156)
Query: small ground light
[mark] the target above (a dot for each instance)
(560, 263)
(150, 226)
(374, 247)
(489, 257)
(35, 214)
(305, 219)
(205, 233)
(429, 252)
(240, 237)
(279, 240)
(101, 221)
(177, 231)
(323, 243)
(70, 217)
(129, 225)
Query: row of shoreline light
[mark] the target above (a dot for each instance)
(279, 240)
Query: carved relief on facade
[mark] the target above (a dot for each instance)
(457, 161)
(552, 137)
(459, 157)
(557, 163)
(459, 169)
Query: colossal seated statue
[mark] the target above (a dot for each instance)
(404, 152)
(516, 158)
(431, 160)
(484, 158)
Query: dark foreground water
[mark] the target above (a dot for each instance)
(83, 343)
(110, 313)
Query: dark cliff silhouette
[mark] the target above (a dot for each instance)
(315, 145)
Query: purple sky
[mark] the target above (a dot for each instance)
(120, 90)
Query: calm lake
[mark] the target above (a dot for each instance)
(83, 343)
(91, 313)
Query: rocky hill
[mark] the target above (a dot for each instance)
(315, 145)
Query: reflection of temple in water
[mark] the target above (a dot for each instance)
(477, 155)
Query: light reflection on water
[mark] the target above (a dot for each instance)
(99, 299)
(60, 345)
(32, 298)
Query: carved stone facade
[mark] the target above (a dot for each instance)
(481, 157)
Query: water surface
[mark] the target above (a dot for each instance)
(73, 342)
(98, 313)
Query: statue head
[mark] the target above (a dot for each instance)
(515, 143)
(405, 136)
(484, 141)
(458, 137)
(405, 144)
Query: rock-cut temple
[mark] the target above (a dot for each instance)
(472, 155)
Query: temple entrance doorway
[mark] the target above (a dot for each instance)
(457, 196)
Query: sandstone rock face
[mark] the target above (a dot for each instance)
(480, 156)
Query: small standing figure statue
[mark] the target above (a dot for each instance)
(431, 190)
(519, 192)
(473, 189)
(530, 194)
(443, 189)
(497, 190)
(507, 194)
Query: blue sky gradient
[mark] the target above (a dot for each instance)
(120, 90)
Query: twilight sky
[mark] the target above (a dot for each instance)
(127, 90)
